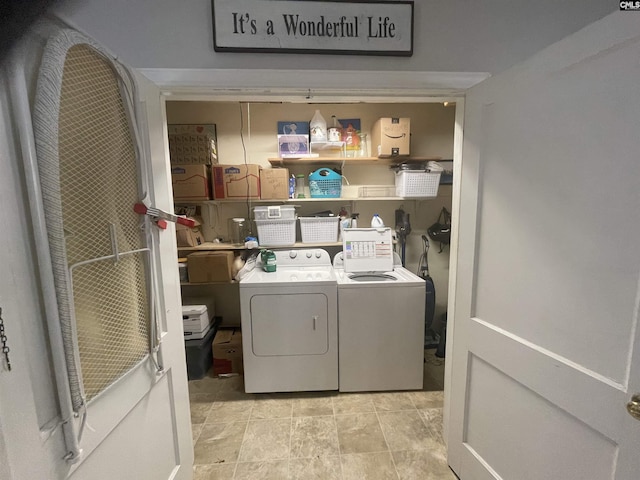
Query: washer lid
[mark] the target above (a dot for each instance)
(289, 276)
(367, 250)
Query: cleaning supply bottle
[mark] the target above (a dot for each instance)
(354, 220)
(268, 258)
(376, 221)
(318, 128)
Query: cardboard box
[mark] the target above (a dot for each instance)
(206, 267)
(274, 183)
(189, 237)
(191, 182)
(196, 321)
(230, 181)
(227, 351)
(193, 144)
(391, 137)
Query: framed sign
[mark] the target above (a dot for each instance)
(324, 27)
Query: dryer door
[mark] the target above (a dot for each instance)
(289, 324)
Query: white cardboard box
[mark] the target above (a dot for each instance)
(195, 321)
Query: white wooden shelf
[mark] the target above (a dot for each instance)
(210, 246)
(307, 200)
(291, 162)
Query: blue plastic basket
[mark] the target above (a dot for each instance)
(325, 183)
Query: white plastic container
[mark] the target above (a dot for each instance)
(318, 128)
(276, 233)
(319, 229)
(411, 183)
(376, 221)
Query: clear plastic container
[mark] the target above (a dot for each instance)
(237, 230)
(300, 186)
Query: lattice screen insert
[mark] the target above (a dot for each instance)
(98, 187)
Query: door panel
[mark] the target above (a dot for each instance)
(545, 338)
(138, 426)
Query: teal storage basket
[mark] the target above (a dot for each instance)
(325, 183)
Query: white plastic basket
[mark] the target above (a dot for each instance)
(411, 183)
(276, 233)
(319, 229)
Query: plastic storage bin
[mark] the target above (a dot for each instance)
(325, 183)
(276, 233)
(275, 212)
(199, 353)
(417, 183)
(319, 229)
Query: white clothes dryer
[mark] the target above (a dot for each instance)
(380, 315)
(289, 324)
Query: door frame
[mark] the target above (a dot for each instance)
(311, 87)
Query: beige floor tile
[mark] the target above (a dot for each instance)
(360, 433)
(232, 384)
(314, 437)
(196, 428)
(318, 468)
(206, 385)
(213, 472)
(219, 443)
(406, 431)
(270, 470)
(432, 418)
(313, 406)
(231, 410)
(368, 466)
(353, 403)
(423, 400)
(392, 401)
(266, 440)
(200, 404)
(272, 405)
(423, 465)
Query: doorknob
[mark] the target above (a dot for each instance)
(633, 407)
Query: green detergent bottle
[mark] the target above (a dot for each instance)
(268, 260)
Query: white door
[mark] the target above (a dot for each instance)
(136, 428)
(545, 342)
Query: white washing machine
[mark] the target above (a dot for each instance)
(289, 324)
(380, 315)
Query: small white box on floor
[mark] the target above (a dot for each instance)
(195, 321)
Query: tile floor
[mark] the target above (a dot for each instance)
(324, 435)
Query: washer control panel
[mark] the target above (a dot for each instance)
(311, 257)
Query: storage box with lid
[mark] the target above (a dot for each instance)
(199, 352)
(319, 229)
(276, 225)
(196, 321)
(417, 181)
(391, 137)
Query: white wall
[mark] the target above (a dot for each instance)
(451, 35)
